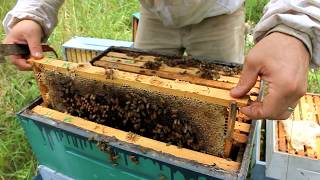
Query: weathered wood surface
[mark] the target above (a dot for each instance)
(139, 140)
(152, 83)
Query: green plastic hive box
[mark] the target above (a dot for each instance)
(70, 151)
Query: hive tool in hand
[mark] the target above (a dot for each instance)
(20, 49)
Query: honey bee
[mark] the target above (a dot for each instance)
(162, 177)
(134, 159)
(132, 137)
(109, 74)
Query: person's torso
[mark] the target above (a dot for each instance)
(179, 13)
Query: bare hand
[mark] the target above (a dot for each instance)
(25, 32)
(282, 61)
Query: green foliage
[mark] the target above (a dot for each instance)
(314, 81)
(98, 18)
(254, 10)
(17, 90)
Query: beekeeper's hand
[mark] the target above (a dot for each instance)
(282, 61)
(25, 32)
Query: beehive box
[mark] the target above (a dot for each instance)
(258, 160)
(84, 49)
(283, 160)
(189, 119)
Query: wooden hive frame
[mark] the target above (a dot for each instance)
(133, 60)
(307, 109)
(238, 129)
(80, 55)
(285, 162)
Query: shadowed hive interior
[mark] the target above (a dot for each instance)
(176, 120)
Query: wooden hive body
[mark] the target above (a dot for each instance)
(285, 162)
(83, 49)
(179, 107)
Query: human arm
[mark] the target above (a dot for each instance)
(30, 22)
(288, 37)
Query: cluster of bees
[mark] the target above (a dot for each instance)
(207, 70)
(207, 73)
(132, 111)
(153, 65)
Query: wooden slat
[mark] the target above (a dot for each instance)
(68, 52)
(73, 55)
(242, 117)
(244, 127)
(164, 70)
(142, 58)
(176, 88)
(304, 108)
(227, 148)
(132, 62)
(89, 54)
(94, 54)
(170, 75)
(190, 70)
(281, 138)
(290, 148)
(84, 56)
(310, 152)
(166, 74)
(230, 129)
(78, 53)
(42, 87)
(296, 113)
(318, 147)
(140, 141)
(239, 137)
(301, 153)
(311, 108)
(145, 58)
(316, 100)
(312, 114)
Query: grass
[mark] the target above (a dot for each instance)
(95, 18)
(314, 81)
(17, 89)
(254, 10)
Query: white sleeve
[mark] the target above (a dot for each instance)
(300, 19)
(44, 12)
